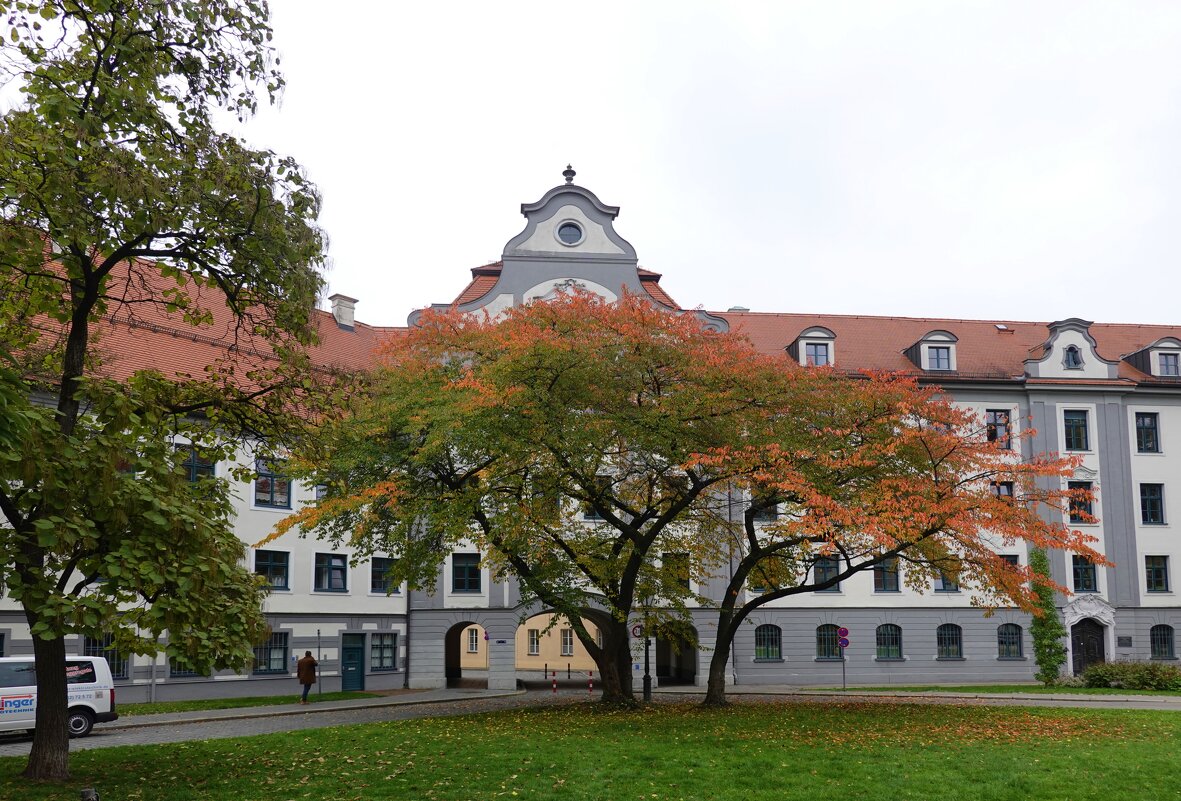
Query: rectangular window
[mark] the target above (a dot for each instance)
(179, 670)
(828, 568)
(534, 642)
(1152, 504)
(195, 466)
(1080, 508)
(1074, 422)
(465, 572)
(1170, 364)
(674, 569)
(764, 510)
(383, 651)
(271, 655)
(946, 583)
(274, 566)
(939, 357)
(603, 484)
(1002, 489)
(1147, 432)
(271, 487)
(1011, 558)
(105, 647)
(816, 353)
(332, 572)
(379, 581)
(996, 423)
(885, 575)
(567, 642)
(1085, 579)
(473, 640)
(1156, 570)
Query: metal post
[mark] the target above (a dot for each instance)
(844, 686)
(647, 667)
(319, 658)
(568, 675)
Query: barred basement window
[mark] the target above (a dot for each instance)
(270, 656)
(949, 642)
(383, 651)
(827, 642)
(105, 647)
(1008, 641)
(768, 640)
(1161, 639)
(889, 642)
(179, 670)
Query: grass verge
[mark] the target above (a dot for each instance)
(197, 705)
(752, 752)
(1007, 689)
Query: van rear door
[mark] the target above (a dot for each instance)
(18, 695)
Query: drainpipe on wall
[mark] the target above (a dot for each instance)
(730, 527)
(406, 666)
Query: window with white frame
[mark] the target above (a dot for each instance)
(473, 640)
(534, 642)
(567, 642)
(383, 651)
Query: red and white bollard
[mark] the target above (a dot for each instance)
(590, 682)
(555, 682)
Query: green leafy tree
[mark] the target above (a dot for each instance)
(121, 205)
(612, 457)
(1047, 630)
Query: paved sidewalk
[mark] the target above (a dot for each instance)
(280, 710)
(1162, 702)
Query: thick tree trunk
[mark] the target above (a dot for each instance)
(715, 689)
(616, 665)
(50, 755)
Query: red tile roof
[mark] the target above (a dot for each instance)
(982, 352)
(484, 278)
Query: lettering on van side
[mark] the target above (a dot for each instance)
(16, 703)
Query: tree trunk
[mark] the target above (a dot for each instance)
(49, 758)
(715, 689)
(616, 665)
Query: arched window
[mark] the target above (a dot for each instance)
(827, 645)
(1161, 638)
(767, 642)
(949, 641)
(1072, 359)
(889, 641)
(1008, 641)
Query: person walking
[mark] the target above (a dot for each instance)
(305, 671)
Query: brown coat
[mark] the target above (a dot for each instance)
(305, 670)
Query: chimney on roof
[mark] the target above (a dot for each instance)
(342, 310)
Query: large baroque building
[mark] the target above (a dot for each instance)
(1108, 393)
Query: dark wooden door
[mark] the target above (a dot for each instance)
(352, 662)
(1086, 644)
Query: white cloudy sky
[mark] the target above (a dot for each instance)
(996, 160)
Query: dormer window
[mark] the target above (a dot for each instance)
(1170, 364)
(939, 357)
(817, 354)
(814, 347)
(934, 352)
(1072, 359)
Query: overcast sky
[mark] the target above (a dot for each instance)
(1003, 161)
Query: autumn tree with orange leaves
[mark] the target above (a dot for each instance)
(577, 442)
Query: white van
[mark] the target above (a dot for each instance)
(90, 692)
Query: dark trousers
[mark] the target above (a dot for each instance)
(306, 688)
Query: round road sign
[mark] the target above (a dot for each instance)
(842, 632)
(637, 630)
(843, 642)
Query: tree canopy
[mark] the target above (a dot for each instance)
(615, 458)
(123, 206)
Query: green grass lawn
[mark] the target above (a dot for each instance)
(130, 710)
(1006, 688)
(750, 752)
